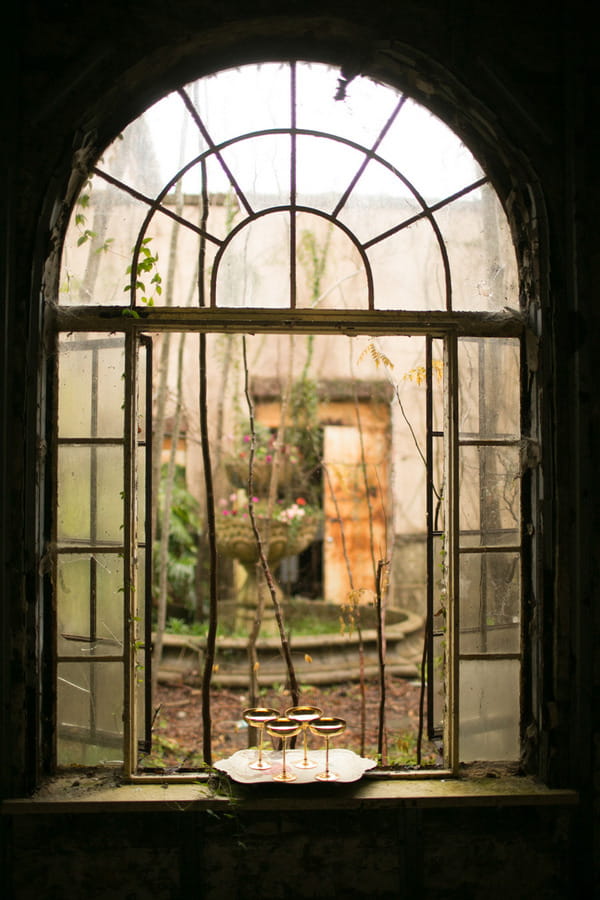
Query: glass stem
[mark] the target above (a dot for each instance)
(260, 743)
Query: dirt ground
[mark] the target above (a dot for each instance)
(178, 722)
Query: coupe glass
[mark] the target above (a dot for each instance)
(283, 727)
(304, 715)
(257, 717)
(327, 727)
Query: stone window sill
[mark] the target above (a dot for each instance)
(93, 792)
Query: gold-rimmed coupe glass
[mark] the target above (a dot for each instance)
(283, 727)
(257, 717)
(304, 715)
(328, 727)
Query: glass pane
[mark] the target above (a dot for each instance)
(324, 171)
(437, 661)
(174, 249)
(242, 100)
(90, 605)
(490, 603)
(90, 392)
(142, 653)
(487, 280)
(207, 177)
(90, 713)
(403, 363)
(74, 494)
(97, 249)
(86, 513)
(140, 156)
(261, 168)
(489, 709)
(141, 494)
(73, 603)
(489, 402)
(490, 495)
(437, 356)
(379, 202)
(74, 388)
(439, 684)
(429, 154)
(359, 116)
(144, 358)
(330, 273)
(407, 270)
(254, 271)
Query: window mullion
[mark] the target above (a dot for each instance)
(430, 611)
(452, 544)
(145, 602)
(293, 192)
(130, 550)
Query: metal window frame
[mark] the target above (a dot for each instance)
(448, 325)
(304, 321)
(130, 443)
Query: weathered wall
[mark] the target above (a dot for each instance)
(383, 854)
(508, 75)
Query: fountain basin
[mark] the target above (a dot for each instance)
(324, 658)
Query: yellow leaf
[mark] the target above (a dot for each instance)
(307, 657)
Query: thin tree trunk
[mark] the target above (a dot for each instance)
(211, 638)
(165, 524)
(380, 601)
(163, 368)
(157, 448)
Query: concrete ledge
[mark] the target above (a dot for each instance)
(93, 793)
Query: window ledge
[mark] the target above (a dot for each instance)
(96, 793)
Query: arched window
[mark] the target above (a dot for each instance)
(289, 333)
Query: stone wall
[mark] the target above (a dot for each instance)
(520, 82)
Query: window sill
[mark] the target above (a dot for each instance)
(95, 793)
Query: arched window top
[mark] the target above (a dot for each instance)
(277, 186)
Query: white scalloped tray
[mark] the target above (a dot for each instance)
(347, 765)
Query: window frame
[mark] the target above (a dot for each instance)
(449, 327)
(446, 325)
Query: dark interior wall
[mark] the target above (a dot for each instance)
(520, 82)
(520, 853)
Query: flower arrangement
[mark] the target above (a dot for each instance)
(264, 449)
(237, 505)
(238, 459)
(292, 525)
